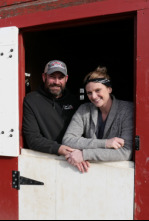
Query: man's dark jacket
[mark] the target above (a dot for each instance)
(46, 119)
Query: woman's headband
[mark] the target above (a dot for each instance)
(104, 81)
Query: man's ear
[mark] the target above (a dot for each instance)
(67, 78)
(44, 77)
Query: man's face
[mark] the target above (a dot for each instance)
(55, 83)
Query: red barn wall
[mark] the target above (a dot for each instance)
(11, 8)
(8, 195)
(29, 13)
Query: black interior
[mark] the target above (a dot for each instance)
(83, 48)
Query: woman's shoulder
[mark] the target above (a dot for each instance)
(86, 107)
(125, 106)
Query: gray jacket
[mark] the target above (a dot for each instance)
(81, 133)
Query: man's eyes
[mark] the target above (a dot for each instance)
(60, 78)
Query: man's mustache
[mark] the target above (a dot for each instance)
(55, 85)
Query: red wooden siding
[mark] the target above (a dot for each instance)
(102, 6)
(142, 116)
(4, 3)
(8, 196)
(40, 13)
(21, 85)
(43, 14)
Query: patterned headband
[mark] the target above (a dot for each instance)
(104, 81)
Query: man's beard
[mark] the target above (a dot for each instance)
(56, 93)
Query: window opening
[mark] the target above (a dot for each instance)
(83, 49)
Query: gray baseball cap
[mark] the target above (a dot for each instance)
(56, 66)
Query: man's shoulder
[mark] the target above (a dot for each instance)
(69, 95)
(32, 96)
(71, 99)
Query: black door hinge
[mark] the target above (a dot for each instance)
(137, 143)
(18, 180)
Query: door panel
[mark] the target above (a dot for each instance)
(9, 115)
(105, 192)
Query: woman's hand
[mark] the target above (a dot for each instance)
(115, 143)
(76, 159)
(83, 167)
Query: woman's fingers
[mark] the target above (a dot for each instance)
(115, 143)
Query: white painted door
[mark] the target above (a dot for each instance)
(9, 113)
(106, 192)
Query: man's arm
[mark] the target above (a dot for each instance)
(37, 142)
(33, 136)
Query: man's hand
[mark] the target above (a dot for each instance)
(76, 159)
(64, 150)
(115, 143)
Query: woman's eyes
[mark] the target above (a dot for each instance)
(97, 91)
(89, 93)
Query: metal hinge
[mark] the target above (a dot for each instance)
(18, 180)
(137, 143)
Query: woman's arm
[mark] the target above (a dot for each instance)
(74, 134)
(107, 154)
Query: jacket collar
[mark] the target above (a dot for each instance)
(111, 116)
(94, 115)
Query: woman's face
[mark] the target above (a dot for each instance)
(98, 94)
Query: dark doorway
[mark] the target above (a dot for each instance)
(83, 48)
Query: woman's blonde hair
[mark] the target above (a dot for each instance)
(100, 72)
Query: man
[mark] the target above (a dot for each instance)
(48, 112)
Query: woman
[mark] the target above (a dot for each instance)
(103, 129)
